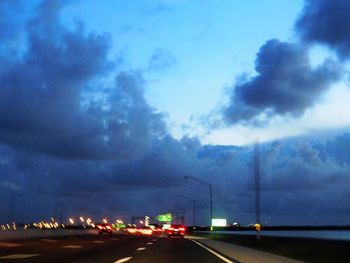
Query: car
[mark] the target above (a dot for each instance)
(176, 230)
(131, 230)
(104, 228)
(145, 230)
(157, 229)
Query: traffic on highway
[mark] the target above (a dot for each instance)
(145, 244)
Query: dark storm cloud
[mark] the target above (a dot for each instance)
(39, 94)
(326, 22)
(42, 106)
(131, 124)
(294, 181)
(285, 84)
(71, 131)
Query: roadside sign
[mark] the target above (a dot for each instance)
(219, 222)
(165, 217)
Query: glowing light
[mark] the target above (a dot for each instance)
(257, 227)
(105, 221)
(71, 220)
(219, 222)
(165, 217)
(82, 219)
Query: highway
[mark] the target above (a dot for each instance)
(115, 248)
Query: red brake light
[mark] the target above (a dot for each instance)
(109, 227)
(182, 229)
(99, 227)
(171, 228)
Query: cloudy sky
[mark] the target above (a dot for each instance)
(105, 106)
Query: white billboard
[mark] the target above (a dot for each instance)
(219, 222)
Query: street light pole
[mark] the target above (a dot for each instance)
(210, 194)
(257, 189)
(211, 204)
(194, 207)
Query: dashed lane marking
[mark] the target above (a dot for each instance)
(49, 240)
(98, 242)
(123, 260)
(6, 244)
(213, 252)
(140, 248)
(19, 256)
(149, 243)
(72, 246)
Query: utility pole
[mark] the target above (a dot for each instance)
(257, 188)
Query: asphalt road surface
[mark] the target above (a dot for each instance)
(111, 249)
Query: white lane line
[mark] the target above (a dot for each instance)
(72, 246)
(48, 240)
(6, 244)
(197, 238)
(19, 256)
(98, 242)
(140, 248)
(213, 252)
(149, 243)
(123, 260)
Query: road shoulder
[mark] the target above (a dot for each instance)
(242, 254)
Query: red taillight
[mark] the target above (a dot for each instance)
(182, 229)
(99, 227)
(108, 227)
(170, 228)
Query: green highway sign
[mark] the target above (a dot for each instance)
(165, 217)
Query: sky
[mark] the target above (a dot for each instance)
(120, 100)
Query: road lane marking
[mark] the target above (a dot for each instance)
(72, 246)
(98, 242)
(19, 256)
(49, 240)
(213, 252)
(123, 260)
(6, 244)
(194, 237)
(149, 243)
(140, 248)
